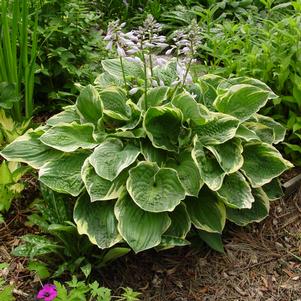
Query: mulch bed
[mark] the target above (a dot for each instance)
(261, 262)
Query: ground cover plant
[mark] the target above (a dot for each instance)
(148, 150)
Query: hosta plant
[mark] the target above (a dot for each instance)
(147, 164)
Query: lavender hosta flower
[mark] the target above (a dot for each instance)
(184, 76)
(47, 292)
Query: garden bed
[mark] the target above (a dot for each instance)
(261, 262)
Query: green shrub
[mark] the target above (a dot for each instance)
(149, 151)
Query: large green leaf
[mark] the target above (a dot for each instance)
(242, 101)
(101, 189)
(273, 190)
(64, 175)
(111, 157)
(135, 117)
(151, 153)
(279, 130)
(188, 172)
(228, 155)
(142, 230)
(89, 105)
(190, 108)
(69, 137)
(97, 221)
(236, 192)
(155, 189)
(207, 212)
(29, 149)
(67, 116)
(263, 132)
(245, 133)
(155, 97)
(259, 211)
(213, 240)
(211, 172)
(218, 130)
(163, 126)
(262, 163)
(131, 69)
(115, 103)
(180, 222)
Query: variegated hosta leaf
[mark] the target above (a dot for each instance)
(207, 212)
(131, 69)
(151, 153)
(111, 157)
(166, 74)
(168, 242)
(101, 189)
(218, 130)
(210, 170)
(273, 190)
(209, 94)
(259, 211)
(279, 130)
(190, 108)
(155, 189)
(97, 221)
(69, 137)
(142, 230)
(262, 163)
(155, 97)
(115, 105)
(180, 222)
(135, 117)
(241, 101)
(29, 149)
(67, 116)
(228, 155)
(225, 84)
(213, 240)
(89, 105)
(64, 175)
(163, 126)
(263, 132)
(236, 192)
(105, 80)
(188, 172)
(245, 133)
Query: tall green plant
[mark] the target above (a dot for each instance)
(18, 50)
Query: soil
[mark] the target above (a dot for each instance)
(261, 262)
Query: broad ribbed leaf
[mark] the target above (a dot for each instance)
(155, 97)
(151, 153)
(210, 170)
(263, 132)
(64, 175)
(245, 133)
(241, 101)
(89, 105)
(180, 222)
(190, 108)
(273, 190)
(101, 189)
(163, 126)
(105, 80)
(279, 130)
(259, 211)
(115, 103)
(225, 84)
(69, 137)
(207, 212)
(111, 157)
(155, 189)
(236, 192)
(262, 163)
(209, 94)
(29, 149)
(228, 155)
(135, 117)
(188, 172)
(142, 230)
(213, 240)
(219, 130)
(97, 221)
(132, 69)
(67, 116)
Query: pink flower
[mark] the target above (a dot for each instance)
(47, 292)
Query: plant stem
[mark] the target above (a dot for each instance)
(123, 74)
(145, 78)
